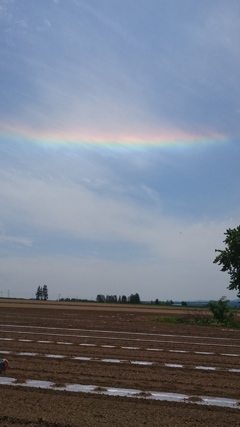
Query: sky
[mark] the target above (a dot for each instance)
(119, 146)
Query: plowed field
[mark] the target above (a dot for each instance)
(91, 365)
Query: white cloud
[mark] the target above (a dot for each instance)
(124, 71)
(15, 239)
(179, 255)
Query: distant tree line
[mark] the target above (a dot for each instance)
(168, 302)
(121, 299)
(157, 302)
(42, 293)
(75, 300)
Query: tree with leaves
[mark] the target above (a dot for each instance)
(124, 299)
(229, 258)
(134, 299)
(221, 310)
(45, 293)
(101, 298)
(39, 293)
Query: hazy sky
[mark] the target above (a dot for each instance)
(119, 146)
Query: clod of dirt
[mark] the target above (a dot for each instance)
(58, 385)
(144, 394)
(193, 399)
(100, 389)
(19, 381)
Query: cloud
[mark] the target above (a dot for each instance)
(176, 252)
(73, 209)
(15, 239)
(132, 219)
(108, 75)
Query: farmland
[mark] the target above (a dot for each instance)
(103, 365)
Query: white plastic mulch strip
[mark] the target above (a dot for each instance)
(129, 339)
(124, 347)
(120, 332)
(124, 361)
(124, 392)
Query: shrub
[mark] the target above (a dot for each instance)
(221, 311)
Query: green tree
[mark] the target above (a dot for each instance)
(100, 298)
(229, 258)
(221, 310)
(134, 299)
(124, 299)
(45, 293)
(39, 293)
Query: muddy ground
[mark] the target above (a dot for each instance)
(108, 347)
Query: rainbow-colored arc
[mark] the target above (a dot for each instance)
(108, 141)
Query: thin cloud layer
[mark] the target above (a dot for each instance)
(119, 146)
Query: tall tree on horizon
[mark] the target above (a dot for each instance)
(45, 293)
(39, 293)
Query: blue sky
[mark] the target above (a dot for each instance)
(119, 146)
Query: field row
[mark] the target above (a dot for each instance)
(189, 367)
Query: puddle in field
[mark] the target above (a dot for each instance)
(234, 370)
(154, 349)
(25, 340)
(178, 351)
(125, 392)
(5, 352)
(45, 342)
(6, 339)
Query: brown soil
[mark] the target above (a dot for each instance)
(115, 329)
